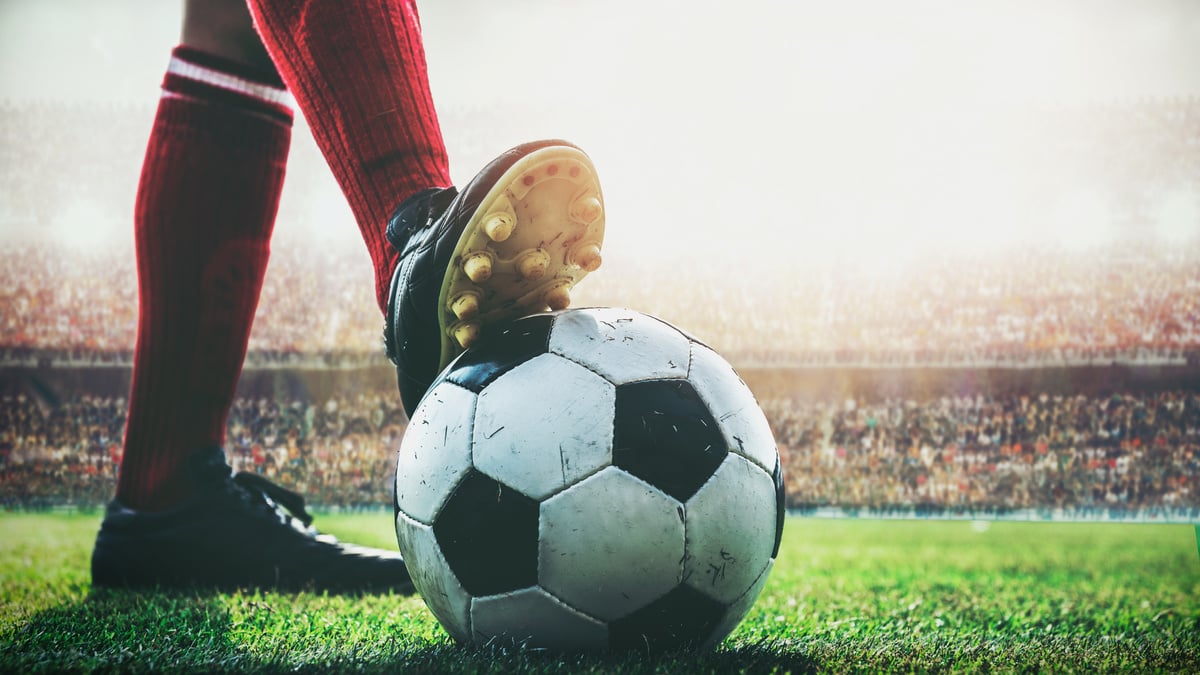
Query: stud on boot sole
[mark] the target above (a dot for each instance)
(536, 233)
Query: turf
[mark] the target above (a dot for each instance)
(845, 596)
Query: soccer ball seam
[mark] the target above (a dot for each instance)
(470, 459)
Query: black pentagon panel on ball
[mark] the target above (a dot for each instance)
(780, 506)
(665, 435)
(682, 618)
(499, 352)
(488, 533)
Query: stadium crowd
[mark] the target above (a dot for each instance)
(336, 453)
(1122, 453)
(1133, 300)
(1029, 307)
(1036, 307)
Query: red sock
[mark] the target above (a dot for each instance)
(205, 210)
(357, 70)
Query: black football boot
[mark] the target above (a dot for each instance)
(235, 531)
(513, 242)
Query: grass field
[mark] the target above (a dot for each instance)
(845, 596)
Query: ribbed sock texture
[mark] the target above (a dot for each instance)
(205, 210)
(358, 72)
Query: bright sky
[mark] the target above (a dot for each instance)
(802, 124)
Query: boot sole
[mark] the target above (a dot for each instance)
(536, 234)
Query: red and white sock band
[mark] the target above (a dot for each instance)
(196, 74)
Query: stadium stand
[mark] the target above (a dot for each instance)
(1126, 452)
(1132, 303)
(1126, 455)
(1036, 308)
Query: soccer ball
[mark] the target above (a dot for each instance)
(585, 480)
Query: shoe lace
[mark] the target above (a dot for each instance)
(418, 212)
(274, 496)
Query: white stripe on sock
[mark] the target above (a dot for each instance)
(263, 92)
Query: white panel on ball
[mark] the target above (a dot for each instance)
(610, 544)
(541, 442)
(533, 618)
(435, 452)
(732, 403)
(730, 529)
(620, 344)
(434, 580)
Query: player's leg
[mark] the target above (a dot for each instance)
(204, 214)
(447, 264)
(205, 210)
